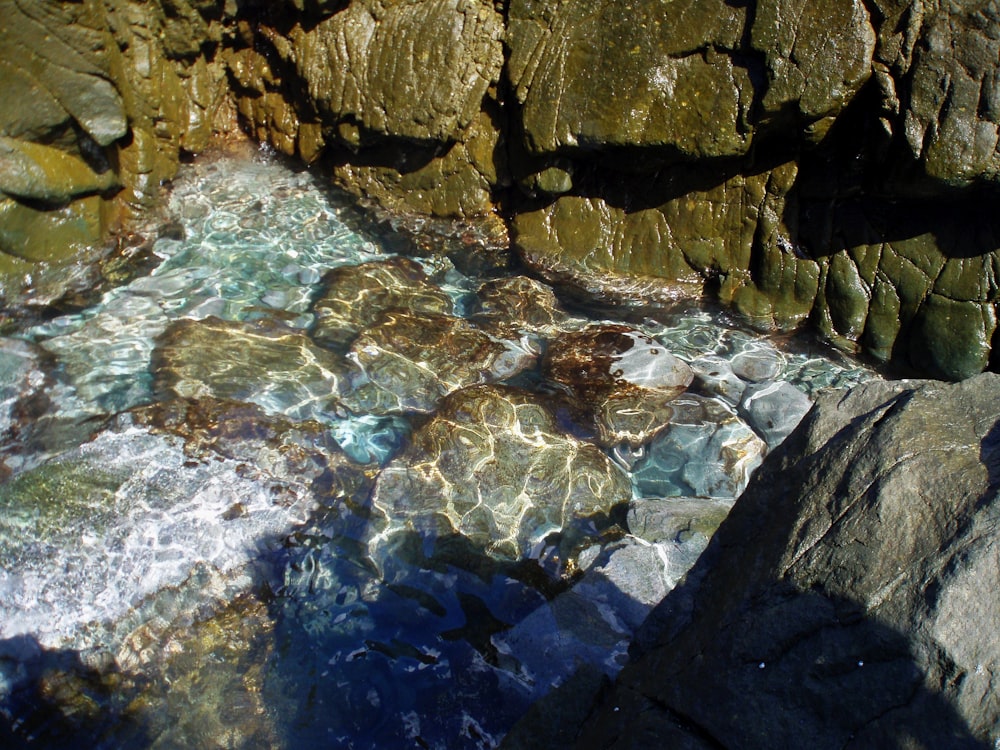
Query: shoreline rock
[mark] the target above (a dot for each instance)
(838, 170)
(848, 600)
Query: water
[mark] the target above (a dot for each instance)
(241, 508)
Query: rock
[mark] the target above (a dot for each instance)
(64, 52)
(42, 173)
(817, 56)
(266, 363)
(493, 466)
(355, 296)
(623, 377)
(520, 304)
(953, 95)
(409, 362)
(680, 527)
(590, 623)
(716, 376)
(629, 578)
(774, 409)
(848, 599)
(758, 363)
(711, 457)
(566, 62)
(417, 70)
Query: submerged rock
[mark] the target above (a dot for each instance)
(774, 409)
(710, 458)
(623, 377)
(266, 363)
(21, 384)
(520, 304)
(493, 466)
(410, 362)
(849, 599)
(355, 296)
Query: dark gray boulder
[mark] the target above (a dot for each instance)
(850, 598)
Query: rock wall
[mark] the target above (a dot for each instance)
(831, 162)
(101, 98)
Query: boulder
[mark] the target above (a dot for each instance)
(267, 363)
(848, 600)
(623, 379)
(354, 296)
(409, 362)
(493, 465)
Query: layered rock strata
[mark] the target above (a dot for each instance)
(832, 163)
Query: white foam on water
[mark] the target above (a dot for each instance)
(150, 516)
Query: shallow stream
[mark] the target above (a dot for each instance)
(286, 488)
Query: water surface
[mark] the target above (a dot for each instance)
(224, 525)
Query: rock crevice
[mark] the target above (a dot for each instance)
(831, 164)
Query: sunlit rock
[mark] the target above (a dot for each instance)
(266, 363)
(521, 304)
(680, 527)
(411, 361)
(625, 378)
(758, 362)
(354, 296)
(715, 375)
(493, 466)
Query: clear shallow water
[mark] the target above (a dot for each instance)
(190, 554)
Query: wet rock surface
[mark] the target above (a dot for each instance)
(410, 362)
(262, 362)
(856, 617)
(493, 466)
(624, 378)
(355, 296)
(829, 162)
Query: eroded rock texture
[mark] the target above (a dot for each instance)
(831, 163)
(100, 99)
(843, 601)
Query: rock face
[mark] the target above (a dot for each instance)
(849, 599)
(832, 162)
(100, 100)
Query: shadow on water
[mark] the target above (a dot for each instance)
(52, 699)
(324, 650)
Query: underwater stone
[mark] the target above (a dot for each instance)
(758, 363)
(521, 304)
(355, 296)
(493, 466)
(266, 363)
(409, 362)
(715, 375)
(704, 459)
(774, 410)
(21, 383)
(625, 379)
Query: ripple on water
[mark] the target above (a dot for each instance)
(274, 367)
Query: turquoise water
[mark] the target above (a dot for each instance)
(219, 529)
